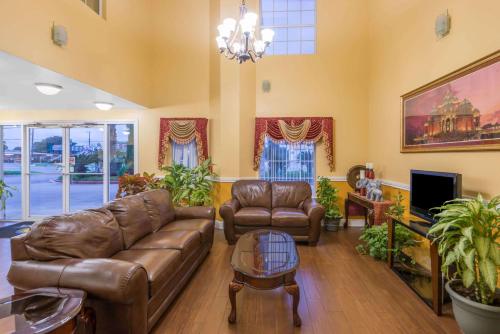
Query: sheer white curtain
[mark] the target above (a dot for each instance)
(185, 154)
(282, 161)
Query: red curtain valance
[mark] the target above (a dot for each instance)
(294, 130)
(183, 131)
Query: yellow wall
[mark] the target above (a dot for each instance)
(333, 82)
(404, 55)
(112, 54)
(162, 53)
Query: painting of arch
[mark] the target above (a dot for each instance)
(458, 112)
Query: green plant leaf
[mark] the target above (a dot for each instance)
(467, 232)
(468, 278)
(489, 273)
(469, 259)
(495, 254)
(482, 245)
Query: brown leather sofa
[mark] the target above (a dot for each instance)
(285, 206)
(132, 257)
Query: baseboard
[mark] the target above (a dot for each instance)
(354, 222)
(219, 225)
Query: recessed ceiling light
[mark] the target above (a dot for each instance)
(104, 106)
(48, 89)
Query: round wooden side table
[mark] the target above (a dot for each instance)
(46, 310)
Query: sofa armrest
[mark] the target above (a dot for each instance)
(227, 212)
(194, 212)
(113, 280)
(316, 213)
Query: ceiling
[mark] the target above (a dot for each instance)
(18, 92)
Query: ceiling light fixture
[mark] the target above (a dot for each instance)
(104, 106)
(238, 40)
(48, 89)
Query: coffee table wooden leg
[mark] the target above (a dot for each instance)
(293, 290)
(234, 287)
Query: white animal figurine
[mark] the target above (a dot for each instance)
(374, 191)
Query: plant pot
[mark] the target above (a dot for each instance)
(332, 224)
(473, 317)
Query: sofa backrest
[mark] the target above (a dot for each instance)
(252, 193)
(160, 207)
(85, 234)
(133, 218)
(290, 194)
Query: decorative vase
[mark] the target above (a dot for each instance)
(474, 317)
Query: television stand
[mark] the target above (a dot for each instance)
(414, 274)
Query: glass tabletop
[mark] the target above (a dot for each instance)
(39, 311)
(265, 254)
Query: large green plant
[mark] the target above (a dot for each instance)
(327, 196)
(5, 194)
(189, 187)
(468, 232)
(375, 241)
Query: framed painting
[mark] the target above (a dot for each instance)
(458, 112)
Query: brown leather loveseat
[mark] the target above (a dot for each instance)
(132, 257)
(285, 206)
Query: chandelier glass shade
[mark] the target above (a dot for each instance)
(238, 39)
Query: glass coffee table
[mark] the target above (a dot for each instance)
(46, 310)
(264, 260)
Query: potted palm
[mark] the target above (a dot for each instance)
(327, 196)
(468, 232)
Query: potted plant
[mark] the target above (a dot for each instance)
(327, 196)
(375, 241)
(397, 210)
(137, 183)
(189, 187)
(5, 194)
(468, 232)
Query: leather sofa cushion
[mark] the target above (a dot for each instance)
(252, 193)
(160, 207)
(290, 194)
(85, 234)
(133, 218)
(185, 241)
(289, 217)
(160, 264)
(251, 216)
(204, 226)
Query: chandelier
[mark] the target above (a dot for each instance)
(238, 39)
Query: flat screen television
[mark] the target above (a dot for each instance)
(432, 189)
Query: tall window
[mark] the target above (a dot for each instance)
(294, 23)
(185, 154)
(288, 162)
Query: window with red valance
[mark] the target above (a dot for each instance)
(294, 130)
(183, 131)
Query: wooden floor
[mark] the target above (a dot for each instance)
(341, 292)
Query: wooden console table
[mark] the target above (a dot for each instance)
(374, 211)
(417, 272)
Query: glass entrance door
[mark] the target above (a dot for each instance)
(45, 170)
(66, 169)
(86, 167)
